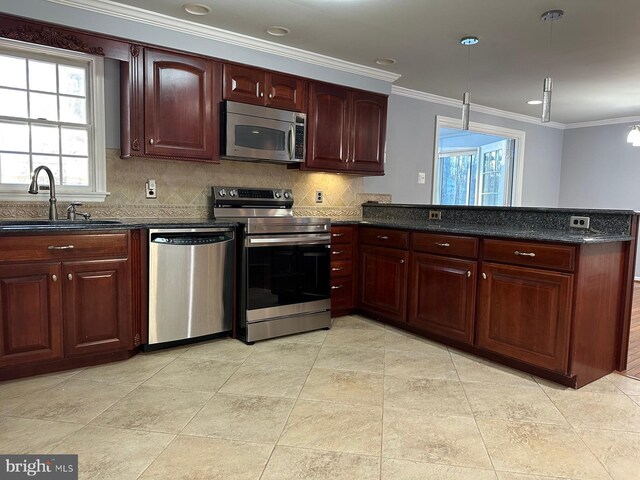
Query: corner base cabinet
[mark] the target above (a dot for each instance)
(65, 301)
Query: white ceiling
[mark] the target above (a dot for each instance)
(595, 60)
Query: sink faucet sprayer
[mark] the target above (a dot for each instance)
(33, 188)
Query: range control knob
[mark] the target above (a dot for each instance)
(222, 192)
(287, 195)
(232, 193)
(278, 194)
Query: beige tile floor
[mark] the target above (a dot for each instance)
(360, 402)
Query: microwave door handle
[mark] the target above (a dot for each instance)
(292, 145)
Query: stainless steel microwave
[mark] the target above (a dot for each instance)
(256, 133)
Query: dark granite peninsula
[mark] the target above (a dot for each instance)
(517, 285)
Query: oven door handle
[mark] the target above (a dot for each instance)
(309, 239)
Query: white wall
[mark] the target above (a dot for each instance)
(600, 170)
(410, 149)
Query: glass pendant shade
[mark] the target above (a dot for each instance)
(465, 111)
(546, 99)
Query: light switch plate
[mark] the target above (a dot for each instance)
(422, 178)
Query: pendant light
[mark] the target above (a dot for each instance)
(634, 136)
(466, 105)
(547, 86)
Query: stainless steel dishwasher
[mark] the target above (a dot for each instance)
(190, 283)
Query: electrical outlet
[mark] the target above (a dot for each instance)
(319, 196)
(435, 215)
(422, 178)
(150, 189)
(579, 222)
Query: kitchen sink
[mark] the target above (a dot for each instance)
(56, 223)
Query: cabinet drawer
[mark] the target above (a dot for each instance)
(64, 247)
(341, 234)
(341, 252)
(341, 269)
(341, 293)
(557, 257)
(385, 237)
(451, 245)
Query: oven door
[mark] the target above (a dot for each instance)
(287, 275)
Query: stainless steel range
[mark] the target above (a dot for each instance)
(282, 263)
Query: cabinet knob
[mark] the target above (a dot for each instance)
(524, 254)
(469, 273)
(70, 276)
(151, 142)
(271, 95)
(54, 278)
(261, 94)
(484, 276)
(401, 261)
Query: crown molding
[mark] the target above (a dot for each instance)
(430, 97)
(600, 123)
(126, 12)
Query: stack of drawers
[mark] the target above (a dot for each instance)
(342, 270)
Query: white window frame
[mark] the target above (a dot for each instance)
(97, 189)
(518, 160)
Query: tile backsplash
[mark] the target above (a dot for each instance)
(184, 189)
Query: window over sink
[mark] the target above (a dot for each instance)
(51, 113)
(481, 166)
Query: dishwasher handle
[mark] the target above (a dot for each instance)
(191, 239)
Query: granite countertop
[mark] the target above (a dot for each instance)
(43, 225)
(561, 236)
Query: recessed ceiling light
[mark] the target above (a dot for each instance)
(196, 8)
(385, 61)
(278, 31)
(534, 102)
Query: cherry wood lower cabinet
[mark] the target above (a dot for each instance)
(66, 301)
(383, 282)
(525, 313)
(442, 296)
(342, 270)
(30, 313)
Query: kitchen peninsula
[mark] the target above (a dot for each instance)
(516, 285)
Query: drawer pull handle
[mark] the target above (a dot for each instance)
(63, 247)
(337, 234)
(70, 276)
(336, 287)
(469, 273)
(484, 276)
(54, 278)
(337, 269)
(440, 244)
(525, 254)
(401, 261)
(338, 252)
(382, 237)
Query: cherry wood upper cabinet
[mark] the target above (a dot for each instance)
(169, 106)
(345, 130)
(30, 313)
(260, 87)
(178, 106)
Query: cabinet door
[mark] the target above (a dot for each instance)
(97, 306)
(243, 84)
(178, 106)
(525, 313)
(30, 313)
(383, 282)
(328, 128)
(368, 126)
(442, 296)
(286, 92)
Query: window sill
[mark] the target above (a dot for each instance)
(89, 197)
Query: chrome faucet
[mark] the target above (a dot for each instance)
(33, 188)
